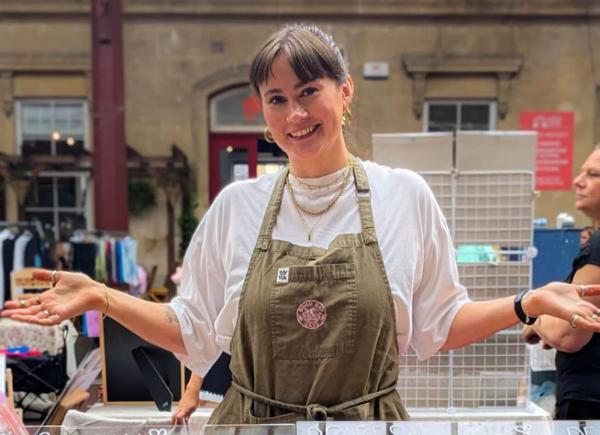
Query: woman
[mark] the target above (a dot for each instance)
(317, 278)
(578, 351)
(585, 235)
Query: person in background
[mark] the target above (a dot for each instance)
(578, 351)
(315, 279)
(585, 235)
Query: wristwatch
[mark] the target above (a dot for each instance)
(524, 318)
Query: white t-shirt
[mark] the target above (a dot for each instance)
(415, 244)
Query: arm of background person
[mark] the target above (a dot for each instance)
(558, 333)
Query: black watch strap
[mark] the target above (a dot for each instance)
(524, 318)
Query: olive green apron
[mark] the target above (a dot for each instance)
(315, 336)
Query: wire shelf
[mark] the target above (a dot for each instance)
(481, 208)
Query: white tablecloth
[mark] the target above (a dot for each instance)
(44, 338)
(130, 419)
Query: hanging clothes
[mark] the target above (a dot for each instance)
(106, 259)
(8, 247)
(4, 234)
(84, 258)
(19, 250)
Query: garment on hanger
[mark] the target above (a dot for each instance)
(4, 234)
(8, 247)
(19, 249)
(84, 258)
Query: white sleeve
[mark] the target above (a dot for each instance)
(439, 294)
(201, 296)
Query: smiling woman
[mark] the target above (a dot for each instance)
(305, 91)
(317, 278)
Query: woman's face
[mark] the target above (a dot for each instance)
(305, 119)
(584, 236)
(587, 187)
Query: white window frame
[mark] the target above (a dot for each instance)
(19, 128)
(83, 178)
(491, 103)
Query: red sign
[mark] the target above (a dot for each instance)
(554, 152)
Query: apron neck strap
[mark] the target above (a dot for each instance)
(266, 229)
(363, 192)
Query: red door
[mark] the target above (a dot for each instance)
(233, 157)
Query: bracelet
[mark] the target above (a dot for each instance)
(521, 305)
(107, 300)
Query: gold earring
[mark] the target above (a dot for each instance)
(346, 118)
(268, 135)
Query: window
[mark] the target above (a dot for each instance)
(459, 115)
(55, 127)
(236, 109)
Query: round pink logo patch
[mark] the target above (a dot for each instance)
(311, 314)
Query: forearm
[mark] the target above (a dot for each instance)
(194, 384)
(154, 322)
(476, 321)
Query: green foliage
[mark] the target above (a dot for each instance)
(142, 195)
(187, 220)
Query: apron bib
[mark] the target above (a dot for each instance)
(315, 336)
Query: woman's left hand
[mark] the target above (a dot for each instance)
(564, 301)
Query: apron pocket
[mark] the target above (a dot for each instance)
(313, 311)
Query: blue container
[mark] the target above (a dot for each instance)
(557, 248)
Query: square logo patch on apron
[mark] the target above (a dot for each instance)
(283, 275)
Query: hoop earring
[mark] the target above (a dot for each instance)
(347, 118)
(268, 135)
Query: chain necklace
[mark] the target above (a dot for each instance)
(319, 213)
(309, 228)
(329, 205)
(323, 187)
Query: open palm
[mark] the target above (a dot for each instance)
(72, 295)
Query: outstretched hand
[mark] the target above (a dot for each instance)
(565, 301)
(71, 295)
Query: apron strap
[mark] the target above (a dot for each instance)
(363, 192)
(313, 411)
(266, 229)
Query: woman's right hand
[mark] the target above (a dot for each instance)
(72, 295)
(187, 405)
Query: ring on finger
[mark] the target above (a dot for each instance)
(53, 278)
(582, 289)
(22, 303)
(46, 313)
(573, 320)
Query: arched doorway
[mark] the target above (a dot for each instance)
(237, 147)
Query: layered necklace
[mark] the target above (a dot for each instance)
(302, 211)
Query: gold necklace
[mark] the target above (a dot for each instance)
(329, 205)
(323, 187)
(309, 229)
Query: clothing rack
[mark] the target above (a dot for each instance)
(25, 224)
(83, 234)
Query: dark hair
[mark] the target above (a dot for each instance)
(312, 54)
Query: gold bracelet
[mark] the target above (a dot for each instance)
(107, 300)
